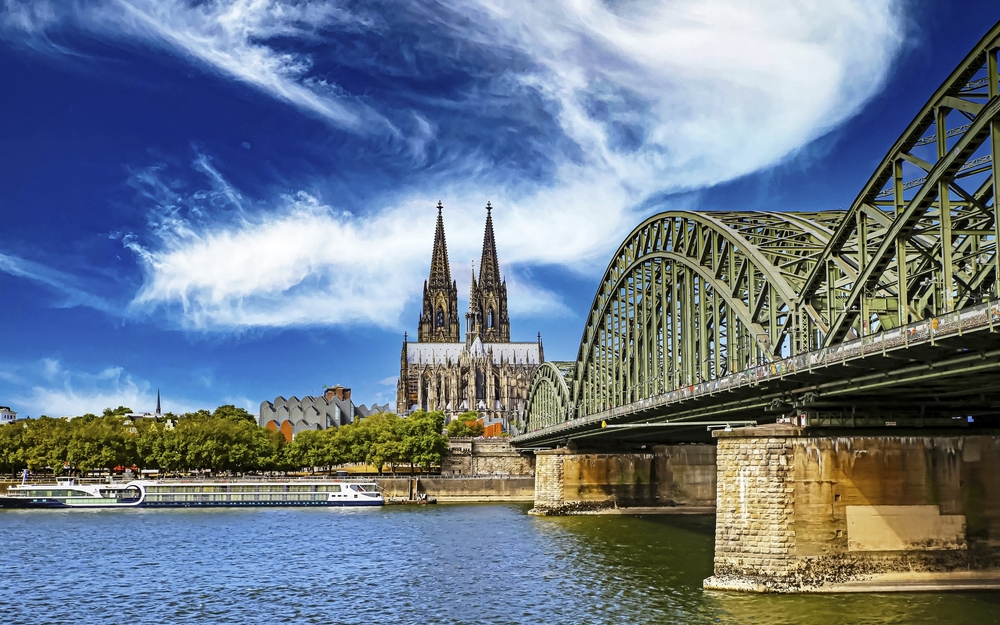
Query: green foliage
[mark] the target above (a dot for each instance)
(423, 443)
(227, 439)
(233, 413)
(466, 424)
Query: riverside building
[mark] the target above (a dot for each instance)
(332, 409)
(487, 372)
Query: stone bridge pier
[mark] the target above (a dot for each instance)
(679, 477)
(802, 511)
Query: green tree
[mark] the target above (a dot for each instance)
(386, 447)
(233, 413)
(45, 443)
(310, 449)
(421, 439)
(12, 448)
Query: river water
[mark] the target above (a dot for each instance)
(405, 564)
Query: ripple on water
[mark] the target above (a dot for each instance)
(441, 564)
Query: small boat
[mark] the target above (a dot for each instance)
(67, 493)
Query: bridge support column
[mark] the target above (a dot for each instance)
(803, 513)
(669, 478)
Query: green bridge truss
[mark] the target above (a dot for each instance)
(693, 297)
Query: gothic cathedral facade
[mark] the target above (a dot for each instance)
(486, 372)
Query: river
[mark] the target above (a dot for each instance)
(406, 564)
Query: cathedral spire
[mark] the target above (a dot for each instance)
(439, 317)
(488, 298)
(440, 271)
(489, 268)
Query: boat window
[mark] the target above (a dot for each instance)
(55, 493)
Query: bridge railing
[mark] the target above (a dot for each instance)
(928, 330)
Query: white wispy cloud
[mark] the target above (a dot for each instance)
(299, 262)
(234, 38)
(60, 282)
(682, 94)
(47, 387)
(648, 99)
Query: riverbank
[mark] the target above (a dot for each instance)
(462, 489)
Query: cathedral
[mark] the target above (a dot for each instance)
(486, 372)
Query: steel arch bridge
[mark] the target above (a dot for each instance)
(692, 300)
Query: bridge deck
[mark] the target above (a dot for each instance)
(934, 372)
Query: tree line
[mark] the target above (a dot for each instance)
(227, 439)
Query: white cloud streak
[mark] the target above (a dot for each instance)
(658, 97)
(48, 387)
(230, 37)
(299, 263)
(57, 280)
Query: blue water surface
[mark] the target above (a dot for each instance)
(407, 564)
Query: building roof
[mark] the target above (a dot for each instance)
(443, 353)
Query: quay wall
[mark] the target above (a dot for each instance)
(482, 488)
(804, 513)
(485, 456)
(669, 476)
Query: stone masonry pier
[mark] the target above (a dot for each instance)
(676, 477)
(801, 512)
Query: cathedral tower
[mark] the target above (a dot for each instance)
(439, 318)
(487, 317)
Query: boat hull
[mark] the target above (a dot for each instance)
(20, 502)
(23, 503)
(262, 504)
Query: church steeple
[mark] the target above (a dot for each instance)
(488, 299)
(439, 317)
(440, 271)
(489, 268)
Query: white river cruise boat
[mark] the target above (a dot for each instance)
(67, 493)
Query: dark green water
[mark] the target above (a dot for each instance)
(427, 564)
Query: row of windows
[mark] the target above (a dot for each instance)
(219, 497)
(58, 493)
(236, 488)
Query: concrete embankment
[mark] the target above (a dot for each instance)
(669, 479)
(470, 488)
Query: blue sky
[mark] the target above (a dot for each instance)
(234, 200)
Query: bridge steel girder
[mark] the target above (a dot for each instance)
(932, 247)
(690, 297)
(730, 277)
(549, 395)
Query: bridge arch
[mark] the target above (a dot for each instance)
(549, 402)
(922, 232)
(690, 297)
